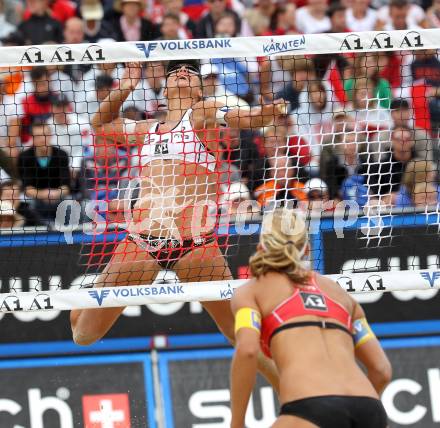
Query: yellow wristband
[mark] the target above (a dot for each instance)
(247, 318)
(362, 332)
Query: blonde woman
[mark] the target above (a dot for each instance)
(313, 330)
(419, 185)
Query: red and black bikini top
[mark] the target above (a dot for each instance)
(307, 300)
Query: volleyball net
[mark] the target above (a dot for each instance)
(169, 184)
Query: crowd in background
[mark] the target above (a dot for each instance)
(360, 127)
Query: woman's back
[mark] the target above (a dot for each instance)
(313, 330)
(310, 358)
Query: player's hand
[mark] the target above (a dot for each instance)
(278, 107)
(281, 107)
(132, 75)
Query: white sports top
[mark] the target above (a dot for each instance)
(180, 143)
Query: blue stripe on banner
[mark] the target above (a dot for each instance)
(199, 354)
(204, 354)
(68, 347)
(412, 342)
(74, 361)
(108, 345)
(405, 328)
(326, 224)
(32, 240)
(396, 220)
(131, 344)
(197, 340)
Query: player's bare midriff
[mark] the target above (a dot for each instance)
(176, 200)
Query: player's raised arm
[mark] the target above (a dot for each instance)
(214, 114)
(105, 120)
(256, 117)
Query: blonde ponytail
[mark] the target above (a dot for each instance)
(283, 242)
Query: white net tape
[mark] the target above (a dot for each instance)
(371, 41)
(356, 283)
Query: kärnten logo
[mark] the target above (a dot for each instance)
(293, 44)
(99, 295)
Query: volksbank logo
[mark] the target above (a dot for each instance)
(146, 48)
(430, 278)
(101, 295)
(294, 44)
(180, 45)
(149, 291)
(353, 42)
(62, 54)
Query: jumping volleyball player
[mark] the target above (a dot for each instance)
(313, 330)
(178, 180)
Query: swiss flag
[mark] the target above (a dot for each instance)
(106, 411)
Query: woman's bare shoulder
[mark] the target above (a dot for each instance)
(334, 289)
(328, 283)
(245, 292)
(245, 288)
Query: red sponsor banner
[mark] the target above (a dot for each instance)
(106, 411)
